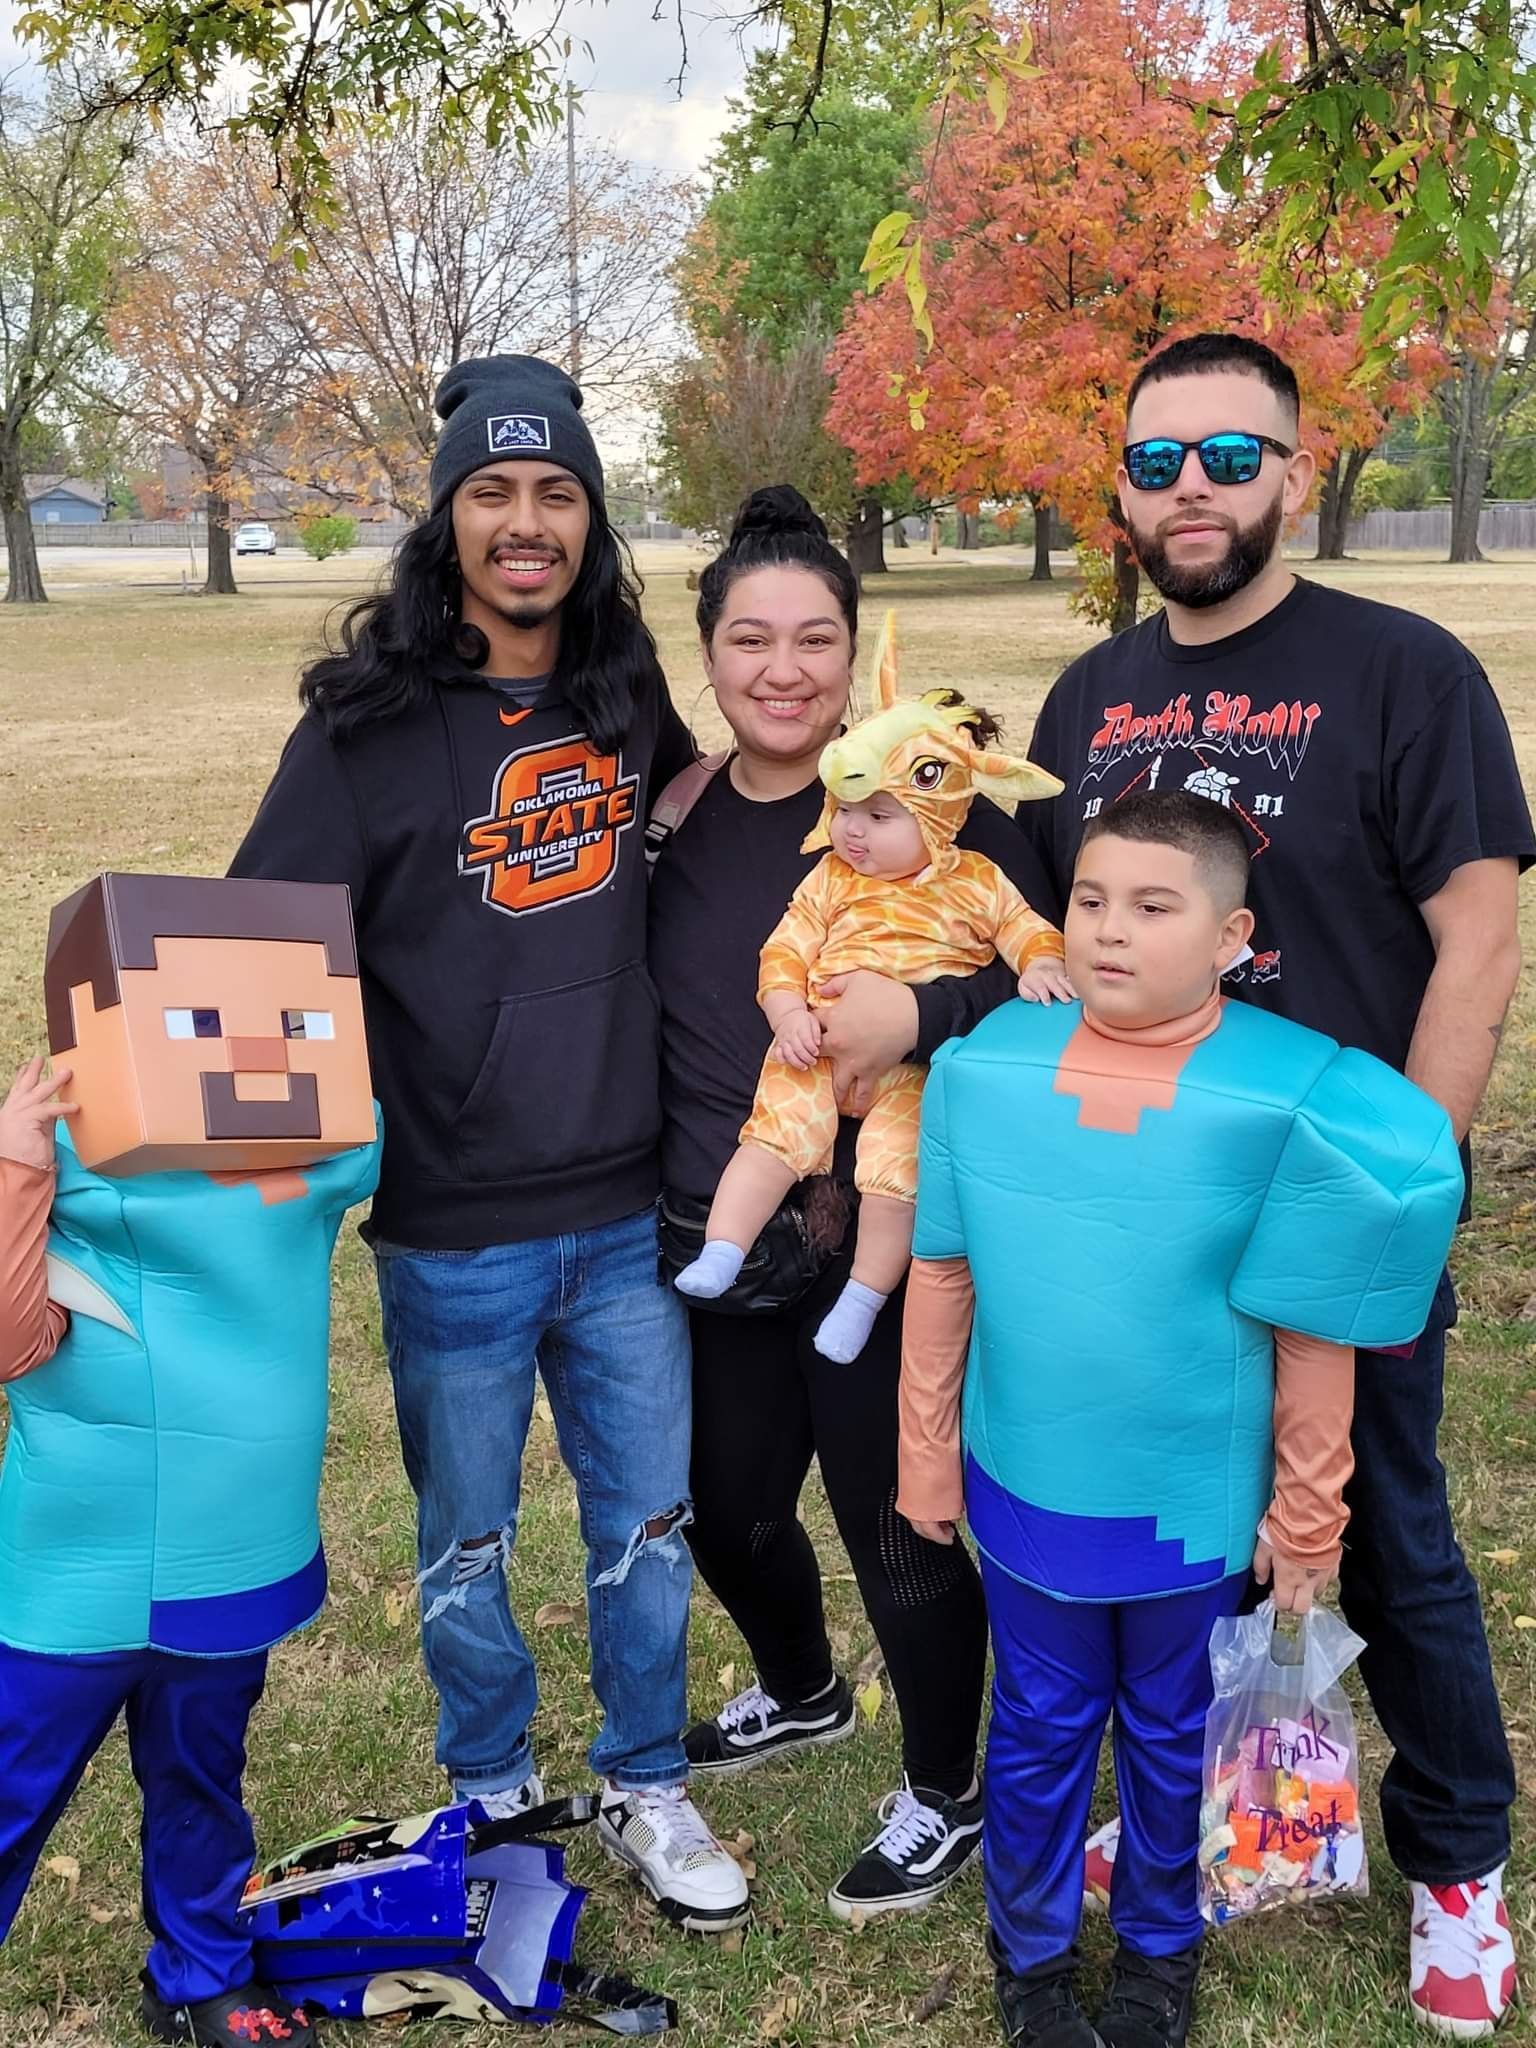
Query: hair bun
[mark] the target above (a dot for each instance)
(776, 508)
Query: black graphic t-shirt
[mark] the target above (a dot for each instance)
(1364, 751)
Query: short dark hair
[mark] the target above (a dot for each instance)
(113, 922)
(1201, 355)
(1194, 824)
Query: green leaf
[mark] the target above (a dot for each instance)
(1393, 162)
(997, 99)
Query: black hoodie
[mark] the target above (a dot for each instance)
(497, 869)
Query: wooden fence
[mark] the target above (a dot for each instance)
(1429, 531)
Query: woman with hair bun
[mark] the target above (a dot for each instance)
(778, 622)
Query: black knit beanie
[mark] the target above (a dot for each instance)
(499, 408)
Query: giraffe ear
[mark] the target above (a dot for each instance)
(882, 669)
(1006, 778)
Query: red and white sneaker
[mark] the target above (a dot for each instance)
(1461, 1956)
(1099, 1853)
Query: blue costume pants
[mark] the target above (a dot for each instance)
(186, 1738)
(1062, 1667)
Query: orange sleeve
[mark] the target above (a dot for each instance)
(1314, 1406)
(935, 1341)
(792, 947)
(30, 1324)
(1019, 933)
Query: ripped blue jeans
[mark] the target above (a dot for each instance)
(466, 1334)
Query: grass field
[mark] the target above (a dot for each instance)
(139, 731)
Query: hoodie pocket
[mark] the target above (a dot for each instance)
(570, 1077)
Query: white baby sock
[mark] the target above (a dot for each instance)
(713, 1270)
(846, 1326)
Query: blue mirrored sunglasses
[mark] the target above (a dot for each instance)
(1225, 458)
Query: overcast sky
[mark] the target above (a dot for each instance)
(632, 99)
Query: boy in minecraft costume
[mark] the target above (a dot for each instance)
(1149, 1232)
(164, 1333)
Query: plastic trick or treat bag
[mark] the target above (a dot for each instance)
(447, 1914)
(1280, 1811)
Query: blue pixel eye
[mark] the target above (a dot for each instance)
(193, 1024)
(308, 1024)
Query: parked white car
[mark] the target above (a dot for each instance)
(255, 538)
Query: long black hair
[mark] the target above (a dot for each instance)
(388, 652)
(776, 528)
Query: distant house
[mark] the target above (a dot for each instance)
(64, 501)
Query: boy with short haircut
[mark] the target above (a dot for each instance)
(1147, 1234)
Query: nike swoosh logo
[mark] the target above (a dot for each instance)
(515, 717)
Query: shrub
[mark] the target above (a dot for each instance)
(331, 533)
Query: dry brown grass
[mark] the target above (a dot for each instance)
(140, 729)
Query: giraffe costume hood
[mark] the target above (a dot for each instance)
(920, 753)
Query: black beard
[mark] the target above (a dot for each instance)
(1248, 552)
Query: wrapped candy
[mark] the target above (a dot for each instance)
(1280, 1794)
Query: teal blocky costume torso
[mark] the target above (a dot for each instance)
(160, 1482)
(1120, 1390)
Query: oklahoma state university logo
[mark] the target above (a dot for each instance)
(553, 828)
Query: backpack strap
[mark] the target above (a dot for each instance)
(676, 801)
(611, 2001)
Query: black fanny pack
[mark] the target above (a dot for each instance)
(780, 1269)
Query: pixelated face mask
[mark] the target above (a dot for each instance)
(212, 1025)
(921, 754)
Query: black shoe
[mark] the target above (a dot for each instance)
(255, 2016)
(754, 1727)
(1151, 2000)
(926, 1841)
(1040, 2009)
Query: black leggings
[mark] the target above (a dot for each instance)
(764, 1402)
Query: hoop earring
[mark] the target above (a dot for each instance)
(693, 713)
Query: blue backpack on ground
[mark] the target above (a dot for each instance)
(448, 1914)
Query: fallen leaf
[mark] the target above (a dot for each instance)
(396, 1603)
(556, 1614)
(940, 1992)
(727, 1677)
(1500, 1598)
(871, 1667)
(1528, 1313)
(858, 1919)
(1502, 1556)
(780, 2016)
(730, 1944)
(65, 1867)
(103, 1915)
(360, 1582)
(1525, 1621)
(871, 1698)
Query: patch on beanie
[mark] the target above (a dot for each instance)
(518, 430)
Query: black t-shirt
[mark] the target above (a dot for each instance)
(1364, 751)
(722, 883)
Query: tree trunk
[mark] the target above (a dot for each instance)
(1465, 406)
(220, 581)
(1127, 587)
(866, 538)
(970, 530)
(1041, 572)
(1469, 483)
(26, 584)
(899, 533)
(1336, 506)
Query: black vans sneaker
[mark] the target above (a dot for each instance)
(1040, 2009)
(255, 2016)
(1151, 2000)
(754, 1727)
(925, 1843)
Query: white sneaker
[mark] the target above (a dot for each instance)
(665, 1840)
(1461, 1956)
(507, 1805)
(1099, 1853)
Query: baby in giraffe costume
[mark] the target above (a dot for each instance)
(894, 894)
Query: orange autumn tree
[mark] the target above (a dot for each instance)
(1061, 245)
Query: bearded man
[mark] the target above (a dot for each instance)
(1367, 757)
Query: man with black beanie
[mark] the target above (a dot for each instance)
(475, 763)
